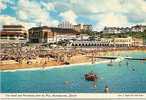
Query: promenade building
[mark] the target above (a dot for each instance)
(116, 42)
(123, 42)
(105, 42)
(83, 43)
(13, 34)
(46, 34)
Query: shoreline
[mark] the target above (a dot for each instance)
(52, 67)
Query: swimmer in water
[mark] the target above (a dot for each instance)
(106, 90)
(120, 63)
(133, 69)
(127, 63)
(66, 82)
(94, 84)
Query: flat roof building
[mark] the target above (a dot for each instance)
(13, 33)
(46, 34)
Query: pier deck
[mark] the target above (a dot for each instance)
(116, 57)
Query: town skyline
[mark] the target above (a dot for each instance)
(31, 13)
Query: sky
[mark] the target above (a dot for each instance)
(99, 13)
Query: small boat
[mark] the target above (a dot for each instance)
(90, 76)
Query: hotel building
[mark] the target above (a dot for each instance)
(78, 27)
(13, 34)
(66, 25)
(87, 27)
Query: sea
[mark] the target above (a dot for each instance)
(127, 76)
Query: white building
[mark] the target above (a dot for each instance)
(138, 28)
(87, 27)
(78, 27)
(105, 42)
(64, 37)
(116, 30)
(83, 43)
(66, 25)
(83, 37)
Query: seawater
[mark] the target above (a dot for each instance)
(120, 78)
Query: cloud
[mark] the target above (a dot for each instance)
(102, 12)
(112, 20)
(30, 13)
(7, 20)
(5, 3)
(96, 6)
(2, 5)
(135, 6)
(33, 12)
(69, 16)
(112, 13)
(48, 6)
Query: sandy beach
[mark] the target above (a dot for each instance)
(74, 60)
(22, 66)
